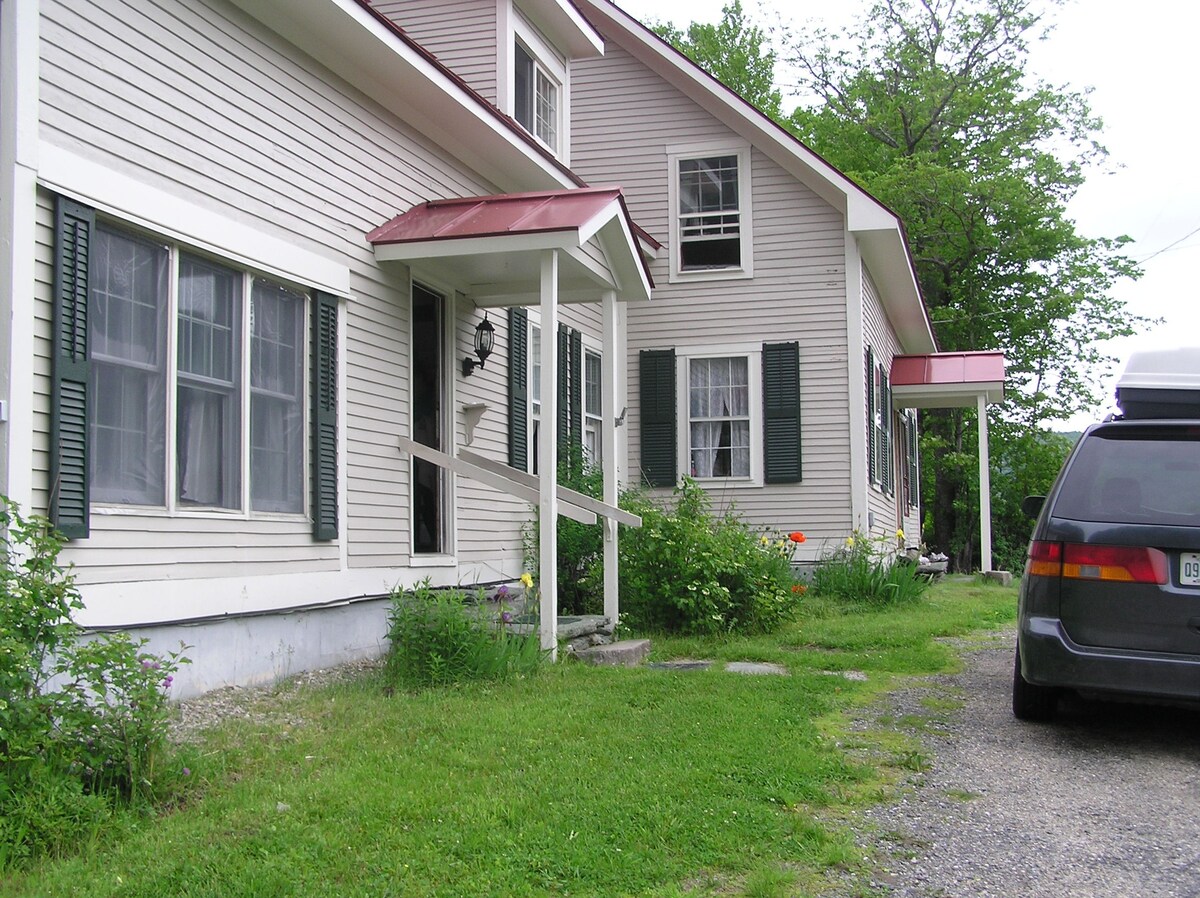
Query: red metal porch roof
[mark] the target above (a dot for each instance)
(947, 379)
(500, 215)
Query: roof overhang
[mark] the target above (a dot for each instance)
(490, 248)
(947, 379)
(374, 56)
(885, 254)
(565, 27)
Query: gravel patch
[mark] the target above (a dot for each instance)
(1104, 801)
(256, 704)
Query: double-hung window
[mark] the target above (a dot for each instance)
(710, 222)
(229, 391)
(592, 405)
(719, 417)
(536, 96)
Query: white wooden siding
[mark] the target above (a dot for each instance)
(460, 33)
(624, 117)
(200, 101)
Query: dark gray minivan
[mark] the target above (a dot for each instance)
(1110, 600)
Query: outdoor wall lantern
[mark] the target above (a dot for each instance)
(485, 341)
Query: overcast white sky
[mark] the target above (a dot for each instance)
(1140, 61)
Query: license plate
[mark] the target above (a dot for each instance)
(1189, 568)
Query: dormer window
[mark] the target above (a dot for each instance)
(535, 97)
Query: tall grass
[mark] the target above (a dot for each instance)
(437, 637)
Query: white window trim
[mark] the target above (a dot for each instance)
(675, 154)
(172, 508)
(513, 26)
(753, 354)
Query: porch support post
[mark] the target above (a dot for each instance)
(548, 457)
(985, 487)
(608, 450)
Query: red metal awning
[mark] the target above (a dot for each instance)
(947, 379)
(488, 246)
(496, 216)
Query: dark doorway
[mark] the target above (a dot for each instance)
(428, 493)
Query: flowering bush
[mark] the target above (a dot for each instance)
(686, 570)
(867, 571)
(82, 721)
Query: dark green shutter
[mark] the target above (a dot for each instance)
(913, 484)
(324, 416)
(657, 401)
(871, 476)
(69, 475)
(576, 396)
(563, 410)
(781, 418)
(518, 388)
(885, 437)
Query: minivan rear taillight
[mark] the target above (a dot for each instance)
(1080, 561)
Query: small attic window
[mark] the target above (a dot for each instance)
(535, 97)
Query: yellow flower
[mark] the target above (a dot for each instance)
(527, 580)
(899, 534)
(765, 540)
(850, 541)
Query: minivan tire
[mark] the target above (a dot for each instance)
(1030, 702)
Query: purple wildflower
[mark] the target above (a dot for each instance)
(506, 617)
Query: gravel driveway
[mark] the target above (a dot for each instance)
(1103, 802)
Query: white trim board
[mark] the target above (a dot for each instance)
(137, 203)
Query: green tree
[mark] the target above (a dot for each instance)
(733, 51)
(929, 105)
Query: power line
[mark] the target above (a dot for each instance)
(1159, 252)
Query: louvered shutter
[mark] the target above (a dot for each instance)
(914, 486)
(872, 473)
(885, 436)
(657, 401)
(74, 225)
(563, 412)
(576, 397)
(781, 418)
(324, 417)
(518, 388)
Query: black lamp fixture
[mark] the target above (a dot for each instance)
(485, 340)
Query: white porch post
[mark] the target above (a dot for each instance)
(985, 487)
(608, 450)
(548, 457)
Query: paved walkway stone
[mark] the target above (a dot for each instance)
(756, 667)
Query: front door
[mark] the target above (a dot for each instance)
(428, 419)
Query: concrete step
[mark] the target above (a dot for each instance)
(626, 653)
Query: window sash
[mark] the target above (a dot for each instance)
(719, 417)
(176, 342)
(708, 216)
(536, 94)
(127, 422)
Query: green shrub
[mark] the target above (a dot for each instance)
(868, 572)
(437, 638)
(687, 571)
(83, 722)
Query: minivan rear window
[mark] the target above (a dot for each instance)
(1134, 474)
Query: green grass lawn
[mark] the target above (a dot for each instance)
(578, 781)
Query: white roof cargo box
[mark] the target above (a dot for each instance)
(1161, 383)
